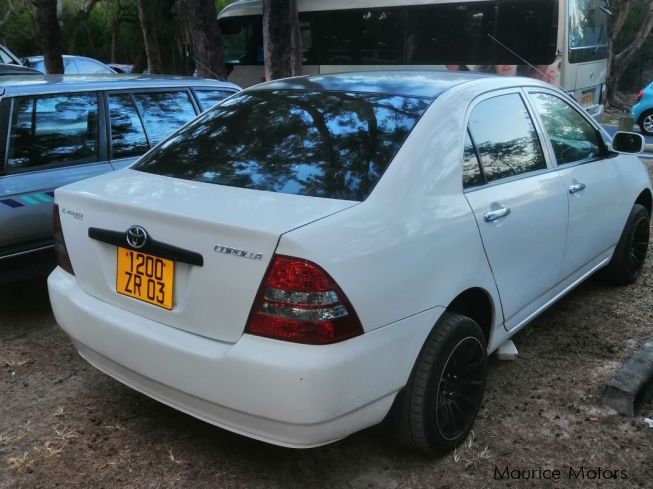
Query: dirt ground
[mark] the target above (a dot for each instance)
(64, 424)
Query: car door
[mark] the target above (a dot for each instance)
(52, 140)
(519, 203)
(139, 120)
(591, 179)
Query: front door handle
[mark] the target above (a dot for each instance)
(495, 214)
(576, 187)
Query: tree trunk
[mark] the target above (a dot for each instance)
(207, 43)
(115, 33)
(49, 35)
(618, 62)
(147, 13)
(281, 39)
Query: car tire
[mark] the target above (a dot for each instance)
(437, 409)
(630, 253)
(645, 123)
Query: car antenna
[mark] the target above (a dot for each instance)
(518, 56)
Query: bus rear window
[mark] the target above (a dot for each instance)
(322, 144)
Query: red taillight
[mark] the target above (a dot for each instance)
(63, 260)
(640, 95)
(298, 301)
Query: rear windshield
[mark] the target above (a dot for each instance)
(321, 144)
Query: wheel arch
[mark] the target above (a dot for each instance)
(645, 199)
(477, 304)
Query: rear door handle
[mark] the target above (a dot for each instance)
(576, 187)
(495, 214)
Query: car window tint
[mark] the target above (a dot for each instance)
(573, 138)
(164, 112)
(208, 98)
(322, 144)
(472, 175)
(127, 133)
(52, 131)
(88, 66)
(505, 137)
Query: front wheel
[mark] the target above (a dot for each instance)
(629, 255)
(445, 389)
(646, 123)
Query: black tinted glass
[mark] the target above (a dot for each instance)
(472, 175)
(208, 98)
(127, 134)
(449, 34)
(505, 137)
(164, 112)
(361, 36)
(52, 131)
(322, 144)
(572, 137)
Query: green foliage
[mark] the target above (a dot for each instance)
(18, 32)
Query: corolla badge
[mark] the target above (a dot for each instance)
(136, 237)
(228, 250)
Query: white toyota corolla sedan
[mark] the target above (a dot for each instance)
(315, 255)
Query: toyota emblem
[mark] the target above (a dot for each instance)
(136, 237)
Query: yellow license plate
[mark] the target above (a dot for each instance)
(145, 277)
(587, 99)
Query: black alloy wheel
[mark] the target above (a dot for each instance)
(436, 410)
(461, 388)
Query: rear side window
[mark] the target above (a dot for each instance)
(208, 98)
(472, 175)
(127, 133)
(52, 131)
(322, 144)
(505, 137)
(88, 66)
(164, 112)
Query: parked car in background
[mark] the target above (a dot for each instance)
(316, 253)
(7, 57)
(642, 111)
(120, 68)
(13, 70)
(72, 65)
(60, 129)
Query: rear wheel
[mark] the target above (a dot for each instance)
(646, 123)
(441, 400)
(630, 253)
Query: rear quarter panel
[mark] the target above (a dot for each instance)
(413, 244)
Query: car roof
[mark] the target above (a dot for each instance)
(415, 83)
(27, 85)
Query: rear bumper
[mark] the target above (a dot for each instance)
(287, 394)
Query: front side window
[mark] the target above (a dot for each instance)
(51, 131)
(572, 137)
(321, 144)
(505, 137)
(127, 133)
(164, 112)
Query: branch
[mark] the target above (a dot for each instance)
(624, 57)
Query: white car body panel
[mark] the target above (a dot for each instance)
(181, 211)
(401, 257)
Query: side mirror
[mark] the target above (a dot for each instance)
(628, 142)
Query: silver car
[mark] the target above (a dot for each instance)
(55, 130)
